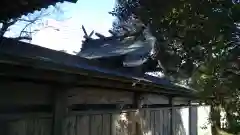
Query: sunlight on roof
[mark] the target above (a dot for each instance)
(156, 74)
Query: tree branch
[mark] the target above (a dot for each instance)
(23, 38)
(5, 26)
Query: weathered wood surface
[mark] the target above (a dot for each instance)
(60, 110)
(26, 93)
(96, 96)
(143, 122)
(150, 123)
(131, 122)
(30, 127)
(19, 93)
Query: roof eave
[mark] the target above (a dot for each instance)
(17, 10)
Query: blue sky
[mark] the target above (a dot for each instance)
(93, 14)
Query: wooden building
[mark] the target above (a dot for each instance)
(46, 92)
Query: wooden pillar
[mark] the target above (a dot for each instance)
(59, 110)
(190, 118)
(136, 99)
(137, 105)
(193, 116)
(171, 116)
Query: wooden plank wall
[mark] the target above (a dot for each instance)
(144, 122)
(155, 122)
(98, 96)
(19, 93)
(38, 126)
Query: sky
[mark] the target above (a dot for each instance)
(63, 31)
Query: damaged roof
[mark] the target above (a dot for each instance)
(15, 8)
(24, 60)
(135, 48)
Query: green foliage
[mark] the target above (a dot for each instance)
(187, 30)
(197, 40)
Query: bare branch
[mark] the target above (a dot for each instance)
(31, 21)
(26, 33)
(6, 25)
(23, 38)
(25, 20)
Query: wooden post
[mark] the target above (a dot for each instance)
(171, 114)
(190, 118)
(136, 99)
(137, 105)
(193, 114)
(59, 110)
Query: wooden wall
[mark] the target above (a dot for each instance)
(98, 96)
(35, 126)
(19, 93)
(134, 122)
(129, 123)
(143, 122)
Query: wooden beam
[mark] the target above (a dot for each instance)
(114, 107)
(60, 110)
(97, 107)
(15, 116)
(136, 100)
(54, 78)
(16, 109)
